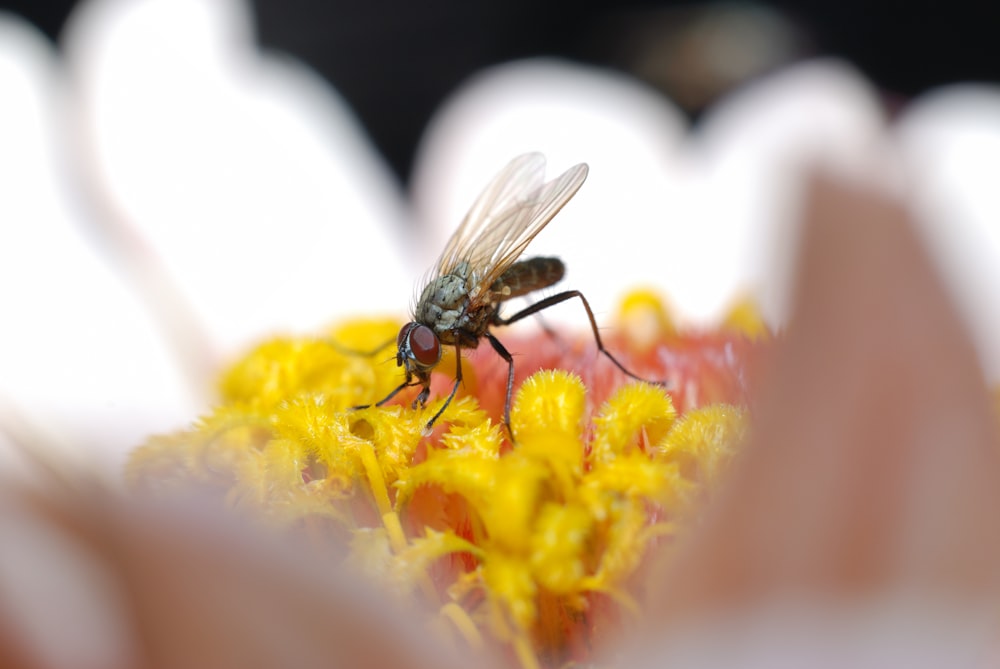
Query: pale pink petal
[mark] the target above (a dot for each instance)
(867, 493)
(185, 587)
(61, 603)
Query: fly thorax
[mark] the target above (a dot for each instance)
(442, 302)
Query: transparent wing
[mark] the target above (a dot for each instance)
(507, 215)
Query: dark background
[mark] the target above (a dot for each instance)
(395, 60)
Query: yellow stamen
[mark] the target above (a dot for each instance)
(537, 536)
(745, 318)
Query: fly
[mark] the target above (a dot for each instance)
(480, 269)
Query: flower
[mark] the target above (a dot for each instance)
(857, 523)
(281, 167)
(733, 188)
(175, 195)
(524, 547)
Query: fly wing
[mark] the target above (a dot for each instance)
(513, 208)
(513, 183)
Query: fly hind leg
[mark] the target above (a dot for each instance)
(505, 354)
(562, 297)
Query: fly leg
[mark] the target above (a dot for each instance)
(454, 389)
(562, 297)
(546, 328)
(425, 392)
(360, 354)
(368, 354)
(405, 384)
(505, 354)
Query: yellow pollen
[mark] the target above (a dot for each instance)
(518, 546)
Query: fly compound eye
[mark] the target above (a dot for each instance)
(424, 345)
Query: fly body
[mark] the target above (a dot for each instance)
(480, 269)
(528, 276)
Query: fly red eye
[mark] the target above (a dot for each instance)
(424, 345)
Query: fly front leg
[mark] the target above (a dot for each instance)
(395, 391)
(405, 384)
(454, 389)
(368, 353)
(421, 399)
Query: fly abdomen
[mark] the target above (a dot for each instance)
(528, 276)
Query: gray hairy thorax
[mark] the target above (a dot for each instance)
(444, 306)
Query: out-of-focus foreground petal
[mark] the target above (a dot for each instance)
(872, 477)
(180, 588)
(79, 354)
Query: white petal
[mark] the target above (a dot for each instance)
(611, 235)
(757, 146)
(244, 172)
(705, 217)
(80, 358)
(951, 144)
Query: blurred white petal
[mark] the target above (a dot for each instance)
(245, 172)
(174, 195)
(950, 141)
(756, 148)
(79, 355)
(250, 201)
(628, 134)
(698, 215)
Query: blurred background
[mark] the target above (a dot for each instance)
(395, 61)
